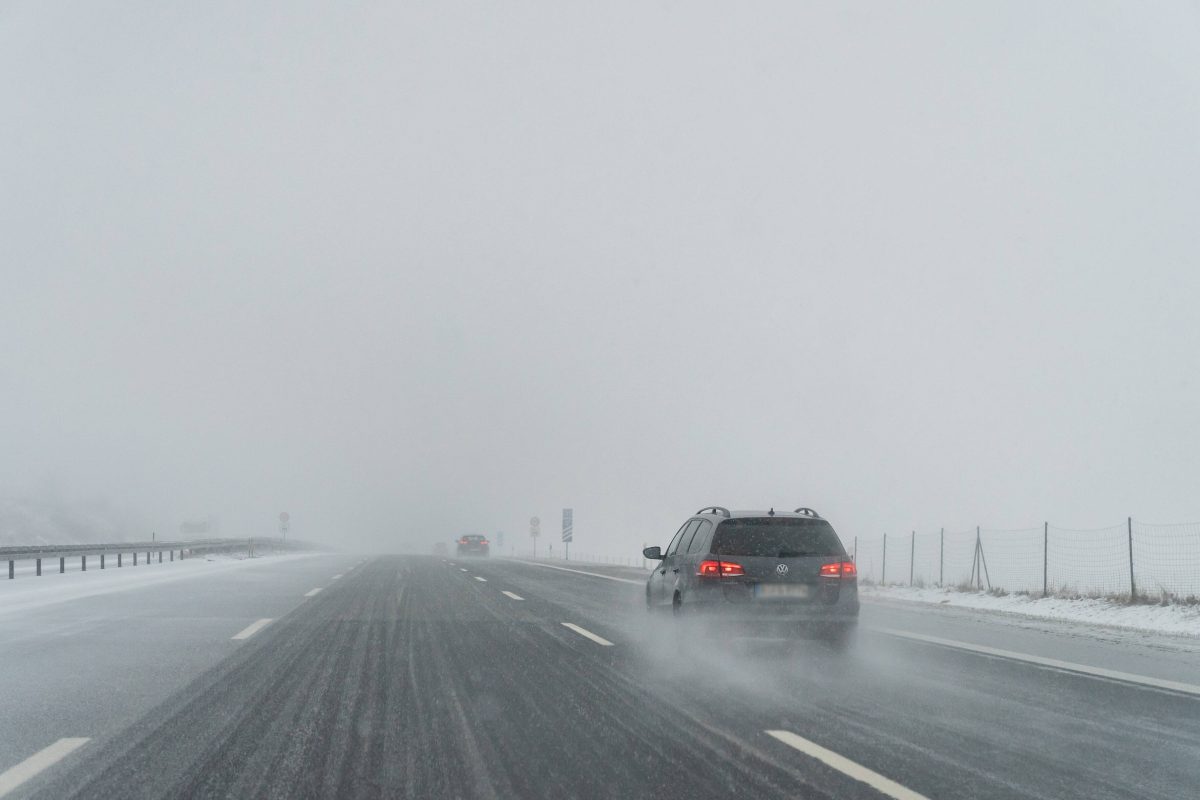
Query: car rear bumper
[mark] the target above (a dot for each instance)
(775, 614)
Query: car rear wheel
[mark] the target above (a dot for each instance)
(841, 638)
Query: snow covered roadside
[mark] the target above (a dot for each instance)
(28, 592)
(1175, 619)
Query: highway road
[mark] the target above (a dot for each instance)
(416, 676)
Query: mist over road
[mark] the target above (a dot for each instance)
(428, 677)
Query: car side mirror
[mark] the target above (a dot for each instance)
(654, 553)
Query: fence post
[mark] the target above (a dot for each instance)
(941, 557)
(1132, 585)
(12, 567)
(118, 559)
(62, 564)
(39, 567)
(912, 555)
(883, 569)
(1045, 558)
(975, 558)
(83, 563)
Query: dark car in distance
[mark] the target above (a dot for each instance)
(758, 573)
(473, 545)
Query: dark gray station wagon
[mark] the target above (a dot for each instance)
(769, 572)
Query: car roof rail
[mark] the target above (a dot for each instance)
(724, 512)
(808, 512)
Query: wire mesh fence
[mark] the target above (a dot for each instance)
(1129, 559)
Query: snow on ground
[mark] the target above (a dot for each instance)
(1177, 619)
(28, 591)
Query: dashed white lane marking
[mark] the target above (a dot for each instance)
(335, 577)
(584, 632)
(312, 592)
(513, 596)
(16, 775)
(462, 569)
(858, 772)
(252, 628)
(484, 580)
(1049, 663)
(581, 572)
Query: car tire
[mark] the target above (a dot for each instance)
(841, 638)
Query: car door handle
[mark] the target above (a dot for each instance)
(662, 572)
(675, 570)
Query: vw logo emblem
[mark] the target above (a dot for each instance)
(781, 569)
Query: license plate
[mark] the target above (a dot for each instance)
(793, 591)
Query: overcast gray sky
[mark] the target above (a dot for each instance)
(409, 270)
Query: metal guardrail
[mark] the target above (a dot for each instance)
(185, 549)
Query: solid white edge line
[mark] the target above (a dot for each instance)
(1049, 663)
(17, 774)
(335, 577)
(847, 767)
(584, 632)
(462, 569)
(252, 628)
(312, 592)
(580, 572)
(480, 579)
(510, 594)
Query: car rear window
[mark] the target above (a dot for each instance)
(776, 537)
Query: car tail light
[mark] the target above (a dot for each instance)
(462, 540)
(841, 569)
(720, 569)
(484, 541)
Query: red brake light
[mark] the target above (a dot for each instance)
(843, 569)
(720, 569)
(484, 541)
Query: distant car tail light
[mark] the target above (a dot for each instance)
(841, 569)
(485, 541)
(720, 569)
(462, 540)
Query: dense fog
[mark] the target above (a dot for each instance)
(407, 271)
